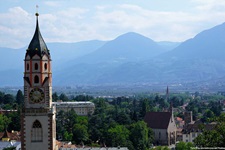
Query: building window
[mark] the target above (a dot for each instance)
(193, 135)
(28, 67)
(159, 135)
(46, 66)
(186, 135)
(36, 79)
(36, 66)
(36, 132)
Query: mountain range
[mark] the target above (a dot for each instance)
(128, 59)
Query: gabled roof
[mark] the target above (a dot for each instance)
(157, 120)
(197, 127)
(37, 44)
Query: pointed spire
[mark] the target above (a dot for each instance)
(167, 93)
(37, 44)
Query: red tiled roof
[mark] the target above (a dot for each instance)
(157, 120)
(179, 119)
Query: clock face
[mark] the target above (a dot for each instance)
(36, 95)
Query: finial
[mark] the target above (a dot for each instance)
(37, 11)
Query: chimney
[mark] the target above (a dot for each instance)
(188, 117)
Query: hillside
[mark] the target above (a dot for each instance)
(194, 60)
(128, 59)
(128, 47)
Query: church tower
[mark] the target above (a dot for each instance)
(38, 126)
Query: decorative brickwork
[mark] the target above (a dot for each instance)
(37, 103)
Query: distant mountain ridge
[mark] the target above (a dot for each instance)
(196, 59)
(130, 58)
(207, 44)
(125, 48)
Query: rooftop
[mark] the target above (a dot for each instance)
(157, 120)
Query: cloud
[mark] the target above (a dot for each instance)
(14, 27)
(210, 5)
(105, 22)
(154, 24)
(53, 3)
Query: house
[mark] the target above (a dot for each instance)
(10, 139)
(163, 126)
(7, 144)
(10, 136)
(180, 124)
(81, 108)
(192, 130)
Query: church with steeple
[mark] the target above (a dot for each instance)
(38, 124)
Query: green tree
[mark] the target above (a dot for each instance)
(19, 97)
(14, 123)
(118, 136)
(67, 136)
(80, 134)
(209, 138)
(10, 148)
(8, 99)
(214, 137)
(1, 97)
(140, 136)
(216, 108)
(64, 123)
(123, 118)
(55, 97)
(161, 148)
(63, 97)
(207, 116)
(4, 122)
(184, 146)
(145, 107)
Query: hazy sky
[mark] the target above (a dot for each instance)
(79, 20)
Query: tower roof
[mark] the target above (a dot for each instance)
(37, 44)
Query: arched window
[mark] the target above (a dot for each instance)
(28, 67)
(36, 66)
(36, 79)
(36, 132)
(46, 66)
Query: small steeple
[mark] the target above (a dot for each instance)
(167, 93)
(37, 44)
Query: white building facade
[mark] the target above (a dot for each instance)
(81, 108)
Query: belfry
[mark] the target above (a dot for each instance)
(38, 126)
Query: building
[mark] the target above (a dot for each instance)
(191, 131)
(2, 111)
(38, 126)
(81, 108)
(7, 144)
(180, 124)
(163, 126)
(7, 136)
